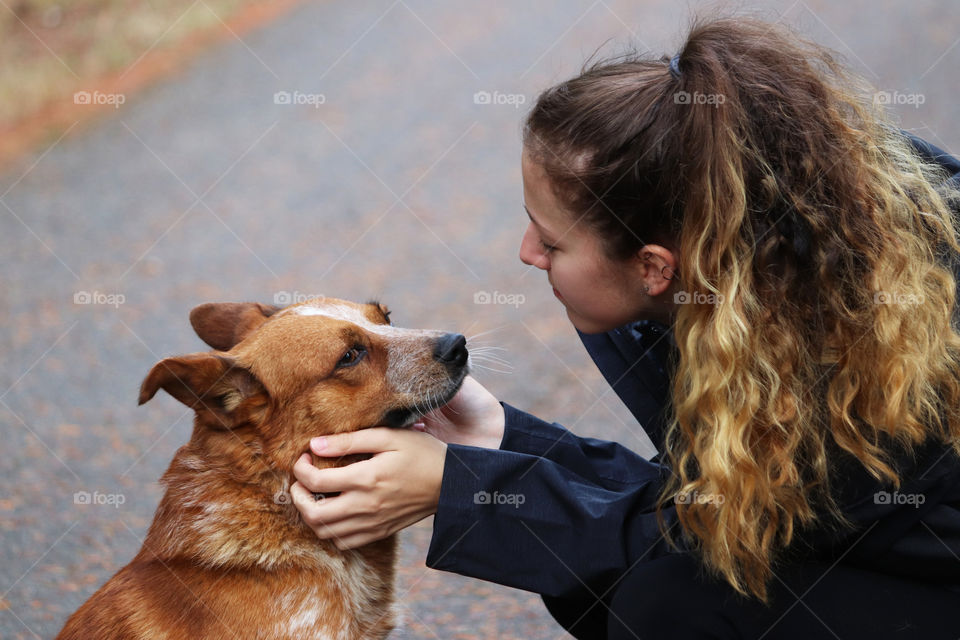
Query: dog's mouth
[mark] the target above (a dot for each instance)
(402, 417)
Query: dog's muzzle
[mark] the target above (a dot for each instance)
(450, 350)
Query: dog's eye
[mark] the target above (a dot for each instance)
(354, 355)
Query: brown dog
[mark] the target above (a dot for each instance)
(227, 555)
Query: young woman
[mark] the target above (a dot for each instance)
(761, 265)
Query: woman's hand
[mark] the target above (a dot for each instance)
(473, 417)
(398, 486)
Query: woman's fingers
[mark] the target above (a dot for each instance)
(331, 480)
(334, 518)
(372, 440)
(325, 511)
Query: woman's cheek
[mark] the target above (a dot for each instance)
(568, 283)
(576, 276)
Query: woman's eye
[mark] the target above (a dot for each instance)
(547, 248)
(352, 357)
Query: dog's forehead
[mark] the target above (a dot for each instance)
(348, 313)
(345, 311)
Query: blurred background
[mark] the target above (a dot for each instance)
(156, 156)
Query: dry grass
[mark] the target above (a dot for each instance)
(52, 49)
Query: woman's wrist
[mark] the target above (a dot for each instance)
(494, 426)
(486, 431)
(474, 417)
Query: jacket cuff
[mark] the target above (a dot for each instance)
(456, 511)
(462, 489)
(526, 433)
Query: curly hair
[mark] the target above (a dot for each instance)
(817, 249)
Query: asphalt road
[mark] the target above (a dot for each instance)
(376, 174)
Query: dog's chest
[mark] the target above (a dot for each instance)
(273, 579)
(304, 614)
(360, 610)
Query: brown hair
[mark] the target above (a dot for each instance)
(792, 200)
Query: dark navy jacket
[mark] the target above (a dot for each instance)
(564, 516)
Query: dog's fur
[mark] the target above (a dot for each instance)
(227, 555)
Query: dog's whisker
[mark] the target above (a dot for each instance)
(479, 344)
(484, 355)
(495, 370)
(425, 407)
(486, 347)
(488, 356)
(483, 333)
(486, 360)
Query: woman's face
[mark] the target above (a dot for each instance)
(598, 293)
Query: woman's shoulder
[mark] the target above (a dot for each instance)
(931, 152)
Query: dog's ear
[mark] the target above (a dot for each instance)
(224, 324)
(223, 393)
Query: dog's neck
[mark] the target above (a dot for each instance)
(224, 514)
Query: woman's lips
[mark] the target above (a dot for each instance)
(557, 293)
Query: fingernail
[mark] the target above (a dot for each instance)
(318, 444)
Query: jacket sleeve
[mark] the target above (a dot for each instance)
(598, 460)
(548, 512)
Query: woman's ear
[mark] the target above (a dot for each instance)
(657, 268)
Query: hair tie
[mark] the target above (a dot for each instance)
(675, 66)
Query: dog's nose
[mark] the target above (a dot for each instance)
(451, 349)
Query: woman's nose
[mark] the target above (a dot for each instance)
(530, 252)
